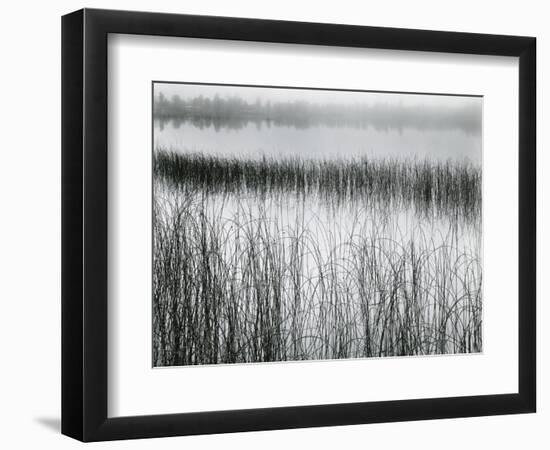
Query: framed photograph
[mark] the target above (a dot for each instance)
(273, 224)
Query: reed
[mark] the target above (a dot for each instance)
(278, 260)
(447, 188)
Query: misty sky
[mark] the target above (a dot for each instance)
(250, 94)
(437, 126)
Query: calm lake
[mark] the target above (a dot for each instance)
(317, 233)
(256, 139)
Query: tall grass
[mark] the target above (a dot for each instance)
(443, 187)
(245, 269)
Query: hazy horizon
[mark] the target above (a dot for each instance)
(259, 121)
(432, 110)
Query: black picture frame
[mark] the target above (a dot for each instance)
(85, 235)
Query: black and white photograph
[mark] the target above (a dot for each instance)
(298, 224)
(275, 225)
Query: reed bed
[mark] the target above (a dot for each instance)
(245, 269)
(443, 188)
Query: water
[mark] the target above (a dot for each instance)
(332, 277)
(256, 139)
(293, 275)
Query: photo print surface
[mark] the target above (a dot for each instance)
(307, 224)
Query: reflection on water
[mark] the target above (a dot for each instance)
(287, 277)
(289, 214)
(255, 139)
(295, 225)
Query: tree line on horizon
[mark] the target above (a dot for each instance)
(234, 111)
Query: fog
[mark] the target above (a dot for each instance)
(303, 107)
(257, 121)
